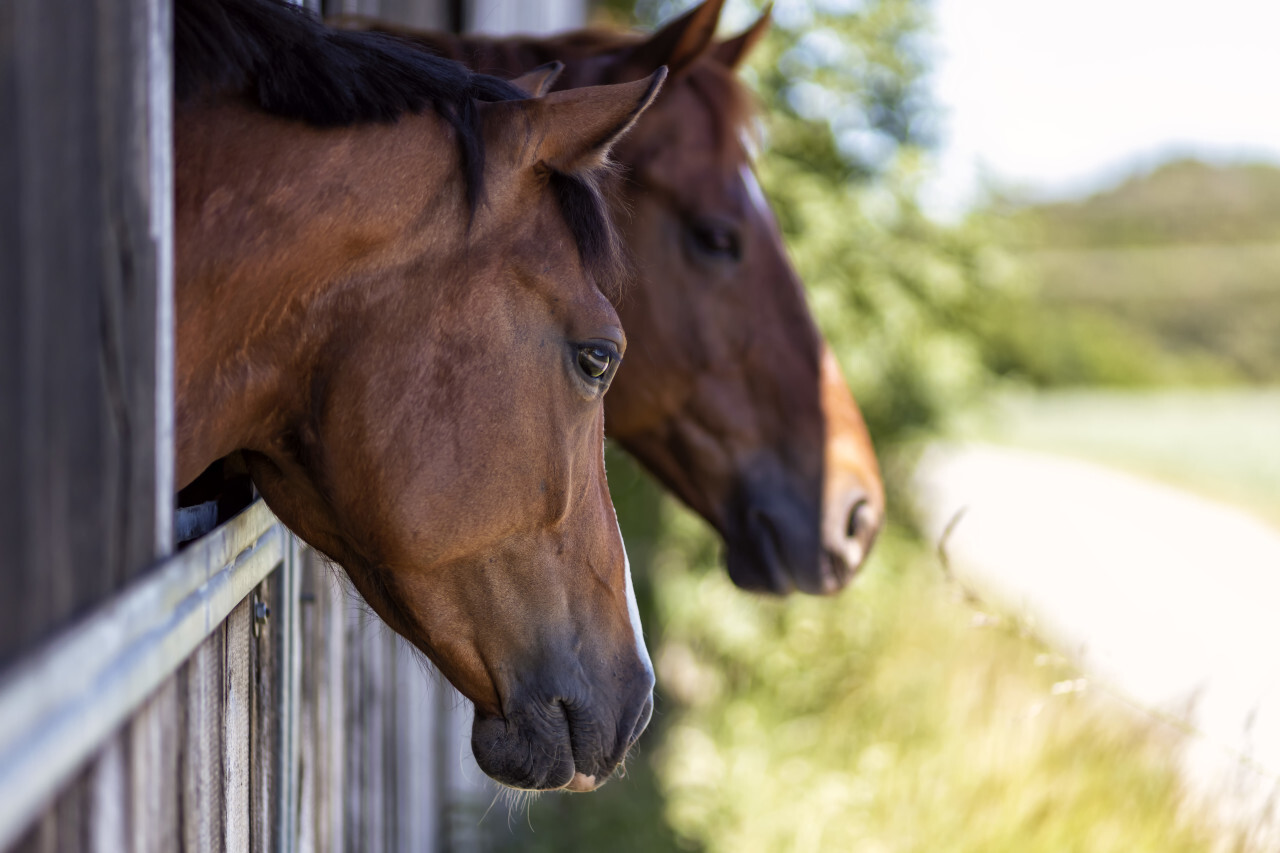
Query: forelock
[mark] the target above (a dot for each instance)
(586, 203)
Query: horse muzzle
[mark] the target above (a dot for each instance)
(780, 542)
(558, 743)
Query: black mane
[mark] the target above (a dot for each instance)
(292, 65)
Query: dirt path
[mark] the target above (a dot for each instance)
(1170, 600)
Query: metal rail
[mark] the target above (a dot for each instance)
(62, 702)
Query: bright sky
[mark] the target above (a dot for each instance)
(1066, 97)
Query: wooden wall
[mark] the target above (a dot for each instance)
(503, 16)
(84, 210)
(196, 768)
(477, 16)
(446, 15)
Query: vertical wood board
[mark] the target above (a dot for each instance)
(154, 746)
(421, 14)
(107, 815)
(236, 737)
(78, 339)
(201, 687)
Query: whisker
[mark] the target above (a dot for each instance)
(496, 795)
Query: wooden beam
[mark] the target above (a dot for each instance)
(64, 700)
(85, 307)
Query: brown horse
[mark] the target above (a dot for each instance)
(729, 394)
(392, 290)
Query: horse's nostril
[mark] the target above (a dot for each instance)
(859, 519)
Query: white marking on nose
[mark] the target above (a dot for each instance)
(581, 783)
(633, 610)
(755, 192)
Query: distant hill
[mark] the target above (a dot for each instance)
(1172, 277)
(1184, 201)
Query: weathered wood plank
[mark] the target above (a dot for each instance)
(501, 16)
(276, 668)
(236, 736)
(327, 646)
(417, 790)
(154, 748)
(288, 650)
(312, 834)
(321, 718)
(465, 792)
(264, 713)
(160, 169)
(71, 814)
(78, 345)
(61, 703)
(107, 817)
(369, 705)
(385, 759)
(423, 14)
(201, 690)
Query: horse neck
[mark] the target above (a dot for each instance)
(279, 231)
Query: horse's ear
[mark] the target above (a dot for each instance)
(731, 53)
(576, 128)
(677, 45)
(538, 81)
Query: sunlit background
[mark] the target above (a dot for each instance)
(1042, 238)
(1061, 100)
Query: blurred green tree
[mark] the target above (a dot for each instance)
(845, 131)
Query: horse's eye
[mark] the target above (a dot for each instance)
(716, 240)
(594, 360)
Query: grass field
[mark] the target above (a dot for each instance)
(1222, 444)
(895, 717)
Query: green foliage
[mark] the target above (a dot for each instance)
(843, 81)
(844, 90)
(1211, 311)
(897, 295)
(1049, 345)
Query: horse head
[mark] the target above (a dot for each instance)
(416, 381)
(730, 394)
